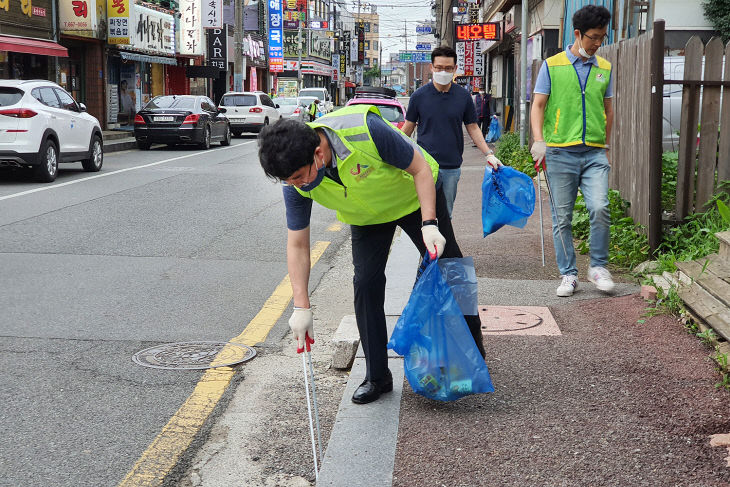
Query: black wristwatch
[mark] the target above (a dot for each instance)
(430, 222)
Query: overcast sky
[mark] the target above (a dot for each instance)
(393, 13)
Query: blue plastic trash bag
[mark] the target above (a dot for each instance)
(508, 198)
(440, 358)
(495, 130)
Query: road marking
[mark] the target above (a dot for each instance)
(177, 435)
(335, 227)
(101, 175)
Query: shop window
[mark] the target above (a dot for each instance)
(375, 45)
(367, 61)
(367, 26)
(367, 45)
(375, 27)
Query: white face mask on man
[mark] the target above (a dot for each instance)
(582, 51)
(443, 77)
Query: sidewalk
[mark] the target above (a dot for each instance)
(599, 398)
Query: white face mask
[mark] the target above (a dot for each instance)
(443, 77)
(582, 51)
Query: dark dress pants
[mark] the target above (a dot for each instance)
(370, 249)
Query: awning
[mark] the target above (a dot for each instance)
(349, 84)
(32, 46)
(134, 56)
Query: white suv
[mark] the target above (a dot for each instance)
(249, 111)
(42, 125)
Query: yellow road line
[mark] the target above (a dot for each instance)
(335, 227)
(165, 450)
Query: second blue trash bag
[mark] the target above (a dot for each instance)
(440, 358)
(495, 130)
(508, 198)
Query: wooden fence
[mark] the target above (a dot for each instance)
(712, 161)
(631, 133)
(636, 139)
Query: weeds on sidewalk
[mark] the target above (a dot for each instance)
(512, 154)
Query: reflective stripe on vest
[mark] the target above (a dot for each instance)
(574, 115)
(372, 191)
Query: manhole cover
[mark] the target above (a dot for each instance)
(193, 355)
(518, 320)
(508, 319)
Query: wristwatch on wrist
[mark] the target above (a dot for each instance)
(430, 222)
(489, 152)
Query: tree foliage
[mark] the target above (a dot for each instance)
(718, 13)
(372, 73)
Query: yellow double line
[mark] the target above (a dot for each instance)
(163, 453)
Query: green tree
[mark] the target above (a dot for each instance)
(372, 73)
(718, 13)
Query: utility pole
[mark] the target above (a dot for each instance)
(523, 73)
(446, 28)
(299, 63)
(238, 66)
(408, 65)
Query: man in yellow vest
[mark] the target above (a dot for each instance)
(571, 119)
(376, 178)
(313, 110)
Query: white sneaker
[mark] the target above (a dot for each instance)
(601, 278)
(567, 286)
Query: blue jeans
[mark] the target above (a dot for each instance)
(449, 181)
(567, 172)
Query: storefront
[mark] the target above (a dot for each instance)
(82, 33)
(314, 74)
(27, 47)
(136, 68)
(254, 52)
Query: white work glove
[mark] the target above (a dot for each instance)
(538, 151)
(435, 242)
(301, 324)
(493, 162)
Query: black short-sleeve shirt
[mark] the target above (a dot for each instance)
(440, 117)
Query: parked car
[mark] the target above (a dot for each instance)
(181, 119)
(322, 94)
(385, 99)
(42, 125)
(249, 111)
(292, 107)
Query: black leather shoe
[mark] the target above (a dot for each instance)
(371, 390)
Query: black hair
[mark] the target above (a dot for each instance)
(286, 146)
(443, 51)
(591, 17)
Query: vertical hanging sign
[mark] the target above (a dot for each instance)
(192, 28)
(469, 58)
(119, 18)
(478, 58)
(276, 48)
(212, 15)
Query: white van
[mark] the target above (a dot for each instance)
(324, 97)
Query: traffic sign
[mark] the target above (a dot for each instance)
(414, 56)
(423, 47)
(423, 29)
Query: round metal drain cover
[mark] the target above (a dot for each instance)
(193, 355)
(500, 319)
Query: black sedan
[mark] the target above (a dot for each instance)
(181, 119)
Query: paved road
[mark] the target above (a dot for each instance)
(160, 246)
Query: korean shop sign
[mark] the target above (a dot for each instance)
(153, 31)
(212, 14)
(191, 28)
(276, 34)
(26, 18)
(218, 48)
(78, 15)
(320, 46)
(119, 17)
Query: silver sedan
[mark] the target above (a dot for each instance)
(290, 107)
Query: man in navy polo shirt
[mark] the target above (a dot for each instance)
(439, 109)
